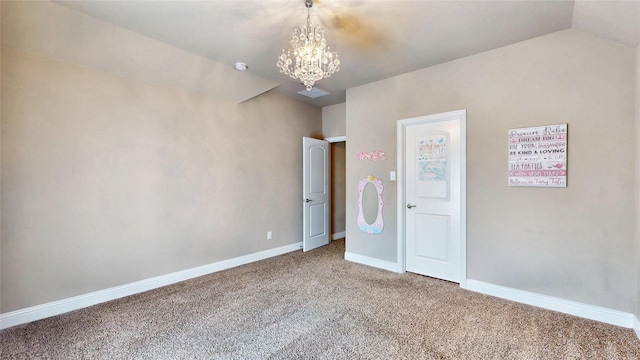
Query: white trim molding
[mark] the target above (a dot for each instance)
(373, 262)
(42, 311)
(591, 312)
(336, 139)
(338, 235)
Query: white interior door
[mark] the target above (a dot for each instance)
(315, 196)
(433, 204)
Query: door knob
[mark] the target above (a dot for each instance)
(410, 206)
(307, 200)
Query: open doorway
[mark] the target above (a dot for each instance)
(338, 190)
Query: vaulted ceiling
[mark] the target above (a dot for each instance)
(375, 39)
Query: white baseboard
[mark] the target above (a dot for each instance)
(592, 312)
(373, 262)
(42, 311)
(636, 326)
(338, 235)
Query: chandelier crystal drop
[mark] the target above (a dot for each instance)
(309, 58)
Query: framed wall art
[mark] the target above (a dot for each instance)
(538, 156)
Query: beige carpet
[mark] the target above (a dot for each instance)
(315, 306)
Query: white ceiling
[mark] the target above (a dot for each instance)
(375, 39)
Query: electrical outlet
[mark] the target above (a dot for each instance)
(269, 235)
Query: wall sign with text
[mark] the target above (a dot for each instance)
(371, 155)
(538, 156)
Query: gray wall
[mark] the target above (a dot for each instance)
(638, 174)
(334, 120)
(334, 124)
(108, 180)
(574, 243)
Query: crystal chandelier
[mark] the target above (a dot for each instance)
(309, 59)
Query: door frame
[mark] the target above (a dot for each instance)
(332, 140)
(335, 139)
(402, 125)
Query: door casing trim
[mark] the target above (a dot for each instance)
(401, 129)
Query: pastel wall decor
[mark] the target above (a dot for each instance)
(371, 155)
(538, 156)
(376, 226)
(433, 164)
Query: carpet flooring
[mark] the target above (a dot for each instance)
(315, 305)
